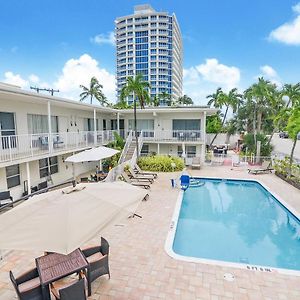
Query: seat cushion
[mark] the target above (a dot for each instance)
(95, 257)
(61, 284)
(29, 285)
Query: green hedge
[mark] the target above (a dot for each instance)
(161, 163)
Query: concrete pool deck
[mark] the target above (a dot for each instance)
(141, 269)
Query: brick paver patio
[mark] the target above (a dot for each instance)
(141, 269)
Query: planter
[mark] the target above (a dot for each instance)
(294, 183)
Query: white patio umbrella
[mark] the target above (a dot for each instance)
(58, 222)
(94, 154)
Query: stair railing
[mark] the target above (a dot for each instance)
(140, 145)
(126, 146)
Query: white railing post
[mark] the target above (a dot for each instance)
(31, 145)
(9, 147)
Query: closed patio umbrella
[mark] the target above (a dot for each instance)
(59, 222)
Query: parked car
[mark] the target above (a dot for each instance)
(283, 135)
(298, 136)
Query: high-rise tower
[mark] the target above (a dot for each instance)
(149, 43)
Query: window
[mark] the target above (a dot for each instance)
(48, 166)
(130, 59)
(130, 47)
(141, 33)
(141, 53)
(186, 124)
(39, 123)
(153, 57)
(153, 64)
(141, 124)
(179, 151)
(141, 59)
(141, 66)
(141, 40)
(12, 176)
(145, 150)
(141, 46)
(191, 151)
(153, 17)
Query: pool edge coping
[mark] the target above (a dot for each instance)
(173, 226)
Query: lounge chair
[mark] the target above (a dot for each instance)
(139, 171)
(140, 177)
(6, 199)
(97, 258)
(265, 168)
(28, 285)
(196, 163)
(134, 182)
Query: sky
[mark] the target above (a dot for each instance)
(62, 44)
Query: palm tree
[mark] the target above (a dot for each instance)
(293, 128)
(185, 100)
(219, 99)
(292, 92)
(155, 101)
(259, 93)
(165, 97)
(139, 88)
(94, 90)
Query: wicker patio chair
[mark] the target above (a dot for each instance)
(28, 285)
(97, 258)
(69, 291)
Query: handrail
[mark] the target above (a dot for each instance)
(126, 146)
(140, 144)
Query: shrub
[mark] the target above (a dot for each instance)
(161, 163)
(265, 149)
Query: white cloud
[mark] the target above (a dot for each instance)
(270, 74)
(33, 78)
(79, 71)
(102, 38)
(289, 32)
(268, 71)
(296, 8)
(202, 80)
(16, 79)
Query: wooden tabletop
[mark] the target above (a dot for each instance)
(55, 266)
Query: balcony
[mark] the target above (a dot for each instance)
(20, 147)
(172, 136)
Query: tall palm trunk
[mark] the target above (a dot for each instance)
(135, 129)
(224, 118)
(292, 156)
(259, 121)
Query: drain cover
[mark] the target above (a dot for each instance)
(229, 277)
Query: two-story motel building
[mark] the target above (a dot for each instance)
(38, 132)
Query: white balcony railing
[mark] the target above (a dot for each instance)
(172, 136)
(14, 147)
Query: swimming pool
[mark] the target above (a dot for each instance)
(235, 221)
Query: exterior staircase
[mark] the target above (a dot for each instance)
(130, 151)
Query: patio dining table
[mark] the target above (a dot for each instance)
(54, 266)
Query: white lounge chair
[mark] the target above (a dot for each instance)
(196, 164)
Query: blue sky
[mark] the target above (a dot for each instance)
(61, 44)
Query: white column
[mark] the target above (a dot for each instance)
(203, 136)
(95, 127)
(158, 150)
(28, 178)
(49, 126)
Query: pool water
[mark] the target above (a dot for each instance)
(237, 221)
